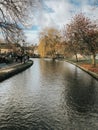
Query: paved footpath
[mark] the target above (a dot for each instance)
(6, 66)
(3, 65)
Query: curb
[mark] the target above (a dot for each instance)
(94, 75)
(13, 70)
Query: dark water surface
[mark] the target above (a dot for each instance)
(49, 96)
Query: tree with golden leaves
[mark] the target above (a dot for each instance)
(49, 38)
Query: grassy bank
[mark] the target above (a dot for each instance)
(12, 70)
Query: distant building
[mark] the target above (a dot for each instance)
(5, 48)
(36, 50)
(9, 47)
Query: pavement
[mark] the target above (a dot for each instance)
(2, 65)
(6, 66)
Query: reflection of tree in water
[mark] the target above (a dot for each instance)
(81, 99)
(78, 100)
(80, 93)
(49, 67)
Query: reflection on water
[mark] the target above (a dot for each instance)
(81, 95)
(49, 96)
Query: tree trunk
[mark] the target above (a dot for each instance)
(76, 58)
(53, 55)
(94, 60)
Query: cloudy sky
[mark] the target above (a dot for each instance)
(57, 13)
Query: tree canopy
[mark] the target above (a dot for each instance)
(81, 35)
(13, 14)
(49, 38)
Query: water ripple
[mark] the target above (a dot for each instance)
(49, 96)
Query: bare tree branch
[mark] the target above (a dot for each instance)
(15, 12)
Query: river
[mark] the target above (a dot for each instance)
(49, 96)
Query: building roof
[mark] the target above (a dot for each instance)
(5, 46)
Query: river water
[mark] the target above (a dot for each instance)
(49, 96)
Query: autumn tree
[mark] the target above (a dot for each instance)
(72, 41)
(49, 38)
(82, 35)
(42, 47)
